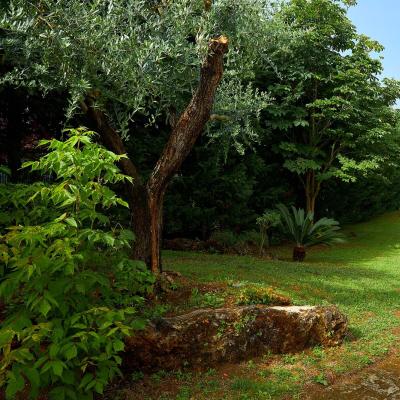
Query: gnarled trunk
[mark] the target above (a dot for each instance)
(140, 223)
(146, 199)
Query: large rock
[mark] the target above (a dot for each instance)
(208, 336)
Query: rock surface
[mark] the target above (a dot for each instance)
(206, 337)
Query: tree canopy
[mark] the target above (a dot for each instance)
(139, 57)
(330, 101)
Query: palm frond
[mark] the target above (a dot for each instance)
(302, 229)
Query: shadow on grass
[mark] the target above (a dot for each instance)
(361, 275)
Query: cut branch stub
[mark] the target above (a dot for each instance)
(193, 119)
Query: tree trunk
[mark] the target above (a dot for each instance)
(299, 253)
(156, 222)
(14, 132)
(140, 223)
(182, 139)
(136, 192)
(310, 206)
(312, 188)
(146, 200)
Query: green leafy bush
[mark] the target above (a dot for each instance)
(16, 210)
(66, 317)
(250, 237)
(301, 228)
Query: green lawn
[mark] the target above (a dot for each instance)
(362, 277)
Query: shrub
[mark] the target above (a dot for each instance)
(301, 228)
(224, 238)
(16, 210)
(66, 318)
(268, 220)
(241, 243)
(252, 238)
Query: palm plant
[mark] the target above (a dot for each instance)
(306, 233)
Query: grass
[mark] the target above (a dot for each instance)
(362, 277)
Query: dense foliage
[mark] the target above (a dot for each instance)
(327, 128)
(304, 231)
(137, 57)
(298, 116)
(67, 310)
(331, 133)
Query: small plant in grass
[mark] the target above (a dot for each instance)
(289, 359)
(66, 319)
(283, 373)
(137, 376)
(159, 375)
(270, 219)
(305, 232)
(261, 295)
(184, 393)
(208, 299)
(321, 379)
(264, 373)
(243, 384)
(318, 352)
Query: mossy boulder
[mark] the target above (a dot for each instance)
(206, 337)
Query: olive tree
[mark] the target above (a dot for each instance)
(117, 59)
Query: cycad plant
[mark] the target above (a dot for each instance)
(302, 229)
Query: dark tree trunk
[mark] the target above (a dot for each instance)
(14, 133)
(310, 202)
(136, 192)
(140, 223)
(146, 200)
(299, 253)
(312, 190)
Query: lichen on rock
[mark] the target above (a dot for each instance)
(206, 337)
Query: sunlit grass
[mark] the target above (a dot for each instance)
(362, 277)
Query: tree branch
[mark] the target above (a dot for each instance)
(110, 137)
(191, 122)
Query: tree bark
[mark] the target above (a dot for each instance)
(182, 139)
(136, 192)
(146, 199)
(310, 202)
(14, 133)
(312, 189)
(299, 253)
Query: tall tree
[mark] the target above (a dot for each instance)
(330, 102)
(118, 58)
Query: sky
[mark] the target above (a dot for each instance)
(380, 20)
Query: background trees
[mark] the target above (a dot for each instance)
(330, 104)
(117, 59)
(327, 129)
